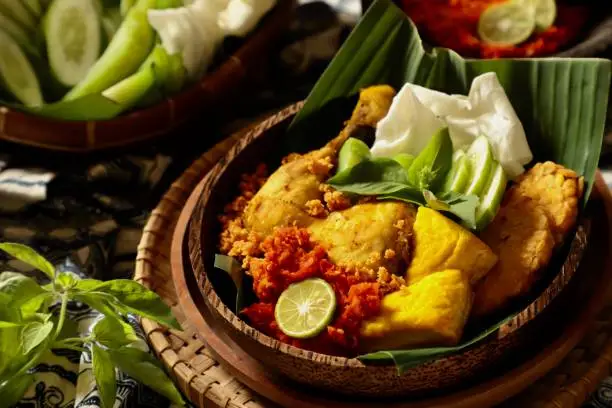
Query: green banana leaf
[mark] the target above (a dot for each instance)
(561, 102)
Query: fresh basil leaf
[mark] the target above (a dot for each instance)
(33, 334)
(379, 188)
(104, 373)
(113, 332)
(371, 171)
(18, 287)
(36, 304)
(7, 312)
(88, 285)
(65, 280)
(146, 369)
(13, 389)
(102, 302)
(430, 166)
(11, 355)
(132, 297)
(29, 256)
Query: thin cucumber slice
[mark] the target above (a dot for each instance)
(506, 24)
(19, 13)
(17, 74)
(460, 174)
(73, 36)
(352, 152)
(19, 34)
(492, 197)
(481, 161)
(34, 7)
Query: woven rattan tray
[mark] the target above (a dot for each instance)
(208, 384)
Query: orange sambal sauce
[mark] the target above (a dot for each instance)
(454, 24)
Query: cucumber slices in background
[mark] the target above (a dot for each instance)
(73, 39)
(17, 11)
(16, 73)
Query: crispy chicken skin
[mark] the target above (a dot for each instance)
(370, 235)
(282, 201)
(536, 214)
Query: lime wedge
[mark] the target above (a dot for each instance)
(17, 74)
(545, 13)
(352, 152)
(492, 197)
(404, 159)
(481, 162)
(507, 23)
(458, 178)
(305, 308)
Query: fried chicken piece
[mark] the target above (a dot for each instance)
(521, 237)
(367, 236)
(557, 191)
(282, 200)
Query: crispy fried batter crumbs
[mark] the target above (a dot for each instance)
(334, 200)
(321, 166)
(290, 256)
(389, 254)
(316, 208)
(235, 239)
(290, 157)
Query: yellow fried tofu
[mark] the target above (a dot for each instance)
(556, 190)
(367, 235)
(439, 243)
(431, 312)
(520, 235)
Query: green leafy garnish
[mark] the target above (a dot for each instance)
(371, 171)
(29, 329)
(429, 168)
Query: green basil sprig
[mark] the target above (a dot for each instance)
(29, 330)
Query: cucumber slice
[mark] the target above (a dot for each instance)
(17, 74)
(492, 197)
(19, 34)
(352, 152)
(73, 36)
(19, 13)
(34, 7)
(459, 176)
(481, 161)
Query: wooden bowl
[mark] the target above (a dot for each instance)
(535, 326)
(216, 88)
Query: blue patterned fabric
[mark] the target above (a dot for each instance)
(86, 215)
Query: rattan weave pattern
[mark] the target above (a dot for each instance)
(208, 384)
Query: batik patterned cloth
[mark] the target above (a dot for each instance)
(86, 215)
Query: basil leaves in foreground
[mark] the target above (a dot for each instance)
(30, 329)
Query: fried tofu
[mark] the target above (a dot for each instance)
(432, 311)
(522, 238)
(369, 235)
(536, 214)
(556, 190)
(439, 243)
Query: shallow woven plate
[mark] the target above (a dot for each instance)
(214, 91)
(206, 383)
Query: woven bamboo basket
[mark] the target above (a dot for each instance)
(206, 383)
(215, 90)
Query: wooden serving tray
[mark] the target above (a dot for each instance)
(196, 366)
(216, 88)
